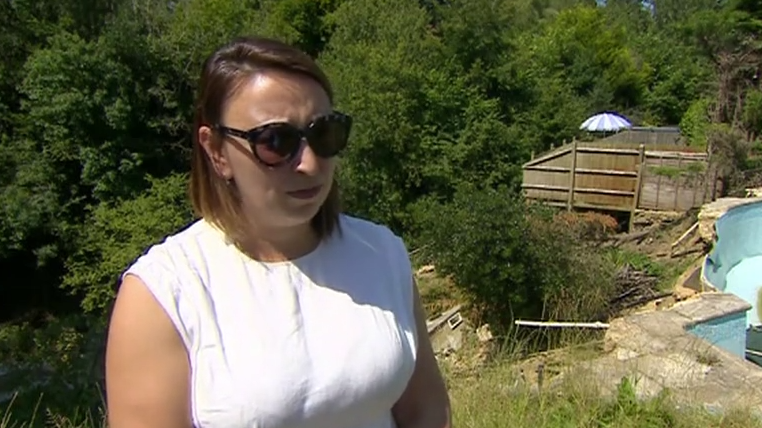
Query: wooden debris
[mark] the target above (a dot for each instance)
(687, 251)
(635, 288)
(634, 236)
(685, 235)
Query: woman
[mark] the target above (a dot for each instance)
(274, 309)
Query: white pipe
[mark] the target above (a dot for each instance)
(596, 324)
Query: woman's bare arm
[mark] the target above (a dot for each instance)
(147, 371)
(425, 402)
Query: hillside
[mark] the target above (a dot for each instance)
(449, 99)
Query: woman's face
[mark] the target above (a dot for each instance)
(289, 194)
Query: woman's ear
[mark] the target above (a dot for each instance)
(213, 150)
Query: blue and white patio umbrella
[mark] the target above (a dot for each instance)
(605, 122)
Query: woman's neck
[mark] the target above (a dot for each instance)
(279, 245)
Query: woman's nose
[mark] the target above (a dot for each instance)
(306, 161)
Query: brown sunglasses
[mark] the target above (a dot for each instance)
(276, 144)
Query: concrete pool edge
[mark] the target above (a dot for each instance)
(679, 322)
(708, 217)
(658, 349)
(708, 307)
(726, 331)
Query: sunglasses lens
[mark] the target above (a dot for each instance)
(277, 144)
(328, 136)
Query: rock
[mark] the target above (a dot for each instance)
(425, 270)
(617, 333)
(483, 333)
(623, 354)
(683, 293)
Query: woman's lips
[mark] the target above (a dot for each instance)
(307, 193)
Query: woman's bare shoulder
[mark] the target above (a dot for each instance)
(147, 373)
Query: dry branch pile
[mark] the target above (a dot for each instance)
(635, 288)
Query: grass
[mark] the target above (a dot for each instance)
(691, 170)
(437, 294)
(504, 393)
(493, 396)
(10, 417)
(492, 400)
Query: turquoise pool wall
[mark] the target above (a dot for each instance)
(727, 332)
(735, 263)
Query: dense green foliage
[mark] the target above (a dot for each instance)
(96, 98)
(515, 261)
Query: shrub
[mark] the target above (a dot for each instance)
(514, 260)
(116, 234)
(57, 367)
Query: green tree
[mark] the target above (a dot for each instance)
(117, 233)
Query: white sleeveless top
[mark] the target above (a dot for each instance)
(324, 341)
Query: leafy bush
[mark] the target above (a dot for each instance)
(116, 234)
(514, 260)
(695, 123)
(64, 358)
(58, 367)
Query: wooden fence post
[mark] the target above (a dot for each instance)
(676, 206)
(572, 175)
(658, 182)
(705, 177)
(715, 178)
(638, 185)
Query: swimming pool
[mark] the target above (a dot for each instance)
(735, 263)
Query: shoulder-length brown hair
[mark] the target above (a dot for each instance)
(212, 197)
